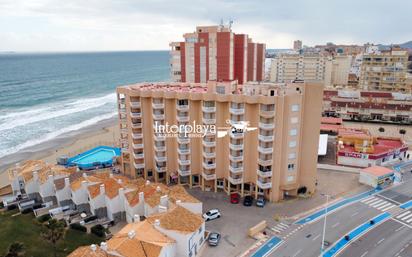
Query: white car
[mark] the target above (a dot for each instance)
(211, 214)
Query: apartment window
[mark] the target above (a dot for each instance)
(290, 178)
(220, 89)
(292, 156)
(291, 166)
(294, 120)
(295, 107)
(292, 144)
(293, 132)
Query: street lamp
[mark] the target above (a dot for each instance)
(324, 224)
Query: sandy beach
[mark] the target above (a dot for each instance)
(102, 133)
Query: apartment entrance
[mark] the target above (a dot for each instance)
(195, 180)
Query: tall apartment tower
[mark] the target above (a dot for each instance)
(216, 53)
(385, 71)
(264, 141)
(297, 45)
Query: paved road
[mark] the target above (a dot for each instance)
(387, 239)
(307, 241)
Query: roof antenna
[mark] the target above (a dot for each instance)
(230, 24)
(221, 23)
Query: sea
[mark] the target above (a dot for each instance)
(46, 95)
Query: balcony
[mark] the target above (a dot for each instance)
(267, 113)
(238, 169)
(138, 155)
(125, 150)
(236, 135)
(264, 174)
(265, 150)
(265, 162)
(160, 169)
(159, 148)
(137, 125)
(159, 137)
(182, 108)
(184, 118)
(266, 138)
(135, 104)
(158, 116)
(208, 176)
(139, 165)
(207, 121)
(160, 158)
(235, 181)
(183, 162)
(209, 166)
(137, 135)
(238, 158)
(135, 114)
(236, 111)
(266, 126)
(209, 143)
(183, 140)
(183, 150)
(183, 172)
(158, 105)
(123, 130)
(137, 146)
(236, 147)
(264, 185)
(209, 155)
(122, 111)
(208, 109)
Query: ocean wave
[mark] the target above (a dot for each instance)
(54, 134)
(17, 119)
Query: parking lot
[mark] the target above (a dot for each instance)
(236, 219)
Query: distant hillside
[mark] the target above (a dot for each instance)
(404, 45)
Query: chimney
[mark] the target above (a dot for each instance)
(93, 247)
(66, 182)
(136, 218)
(178, 202)
(119, 181)
(84, 185)
(111, 175)
(102, 189)
(131, 234)
(35, 176)
(162, 209)
(158, 189)
(147, 182)
(164, 201)
(103, 246)
(50, 178)
(121, 192)
(141, 197)
(84, 175)
(157, 223)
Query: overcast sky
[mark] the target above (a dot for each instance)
(98, 25)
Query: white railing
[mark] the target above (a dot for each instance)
(236, 147)
(236, 158)
(209, 154)
(158, 116)
(265, 162)
(209, 166)
(135, 114)
(138, 155)
(209, 143)
(182, 108)
(207, 121)
(159, 148)
(238, 169)
(237, 111)
(183, 162)
(139, 165)
(236, 135)
(267, 113)
(135, 104)
(137, 135)
(159, 137)
(136, 125)
(266, 138)
(264, 185)
(266, 125)
(183, 140)
(160, 158)
(137, 146)
(208, 176)
(183, 172)
(160, 169)
(182, 118)
(158, 105)
(208, 109)
(183, 151)
(264, 174)
(265, 150)
(235, 181)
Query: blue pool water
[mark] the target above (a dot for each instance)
(101, 156)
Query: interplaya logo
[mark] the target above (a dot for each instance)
(193, 129)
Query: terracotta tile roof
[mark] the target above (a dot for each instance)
(147, 241)
(378, 170)
(86, 251)
(6, 190)
(111, 186)
(179, 193)
(178, 219)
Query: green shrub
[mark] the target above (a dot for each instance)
(43, 218)
(77, 226)
(98, 230)
(1, 205)
(27, 210)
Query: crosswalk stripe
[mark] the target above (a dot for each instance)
(380, 205)
(371, 200)
(407, 217)
(387, 208)
(282, 225)
(384, 206)
(367, 200)
(376, 203)
(403, 214)
(408, 221)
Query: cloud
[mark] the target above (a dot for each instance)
(75, 25)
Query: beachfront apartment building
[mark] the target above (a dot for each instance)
(385, 70)
(216, 53)
(264, 141)
(332, 71)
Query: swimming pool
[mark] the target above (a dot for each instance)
(101, 157)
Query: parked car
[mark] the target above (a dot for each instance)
(214, 238)
(248, 200)
(211, 214)
(260, 202)
(234, 198)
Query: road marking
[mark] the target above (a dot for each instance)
(376, 203)
(381, 205)
(407, 217)
(387, 208)
(373, 199)
(399, 229)
(403, 214)
(298, 252)
(335, 225)
(403, 223)
(380, 241)
(408, 220)
(385, 205)
(354, 214)
(364, 254)
(389, 199)
(368, 199)
(316, 237)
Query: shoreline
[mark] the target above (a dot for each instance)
(103, 132)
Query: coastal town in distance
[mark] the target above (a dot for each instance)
(220, 146)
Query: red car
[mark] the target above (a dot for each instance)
(234, 198)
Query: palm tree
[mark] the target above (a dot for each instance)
(16, 249)
(53, 231)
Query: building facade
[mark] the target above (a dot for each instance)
(297, 45)
(332, 71)
(264, 140)
(385, 70)
(216, 53)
